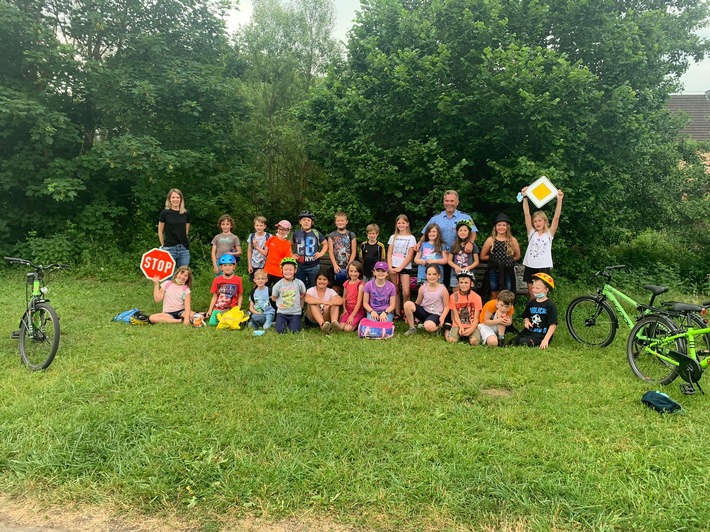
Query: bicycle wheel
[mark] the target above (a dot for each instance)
(646, 365)
(591, 321)
(37, 348)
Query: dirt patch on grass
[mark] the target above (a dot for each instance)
(496, 392)
(22, 515)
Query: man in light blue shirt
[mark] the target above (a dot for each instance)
(446, 220)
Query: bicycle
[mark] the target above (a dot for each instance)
(659, 351)
(39, 325)
(592, 321)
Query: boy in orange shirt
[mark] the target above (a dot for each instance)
(496, 315)
(465, 306)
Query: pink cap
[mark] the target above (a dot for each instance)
(284, 223)
(381, 266)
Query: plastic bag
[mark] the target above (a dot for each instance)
(232, 319)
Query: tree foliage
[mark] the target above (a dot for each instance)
(486, 95)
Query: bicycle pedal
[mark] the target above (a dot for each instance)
(15, 335)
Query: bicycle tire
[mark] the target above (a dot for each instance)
(647, 366)
(591, 321)
(39, 348)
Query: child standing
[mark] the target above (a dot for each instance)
(323, 305)
(379, 295)
(538, 256)
(501, 250)
(225, 243)
(458, 258)
(431, 251)
(307, 241)
(371, 251)
(540, 315)
(256, 248)
(175, 296)
(353, 288)
(496, 315)
(226, 289)
(432, 303)
(399, 258)
(288, 294)
(342, 246)
(278, 247)
(465, 306)
(262, 312)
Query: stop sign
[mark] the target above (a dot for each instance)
(157, 262)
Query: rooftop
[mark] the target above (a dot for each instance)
(698, 107)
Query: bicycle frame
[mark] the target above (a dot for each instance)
(613, 295)
(688, 335)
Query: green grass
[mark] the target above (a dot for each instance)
(408, 433)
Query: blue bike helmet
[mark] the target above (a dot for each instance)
(227, 259)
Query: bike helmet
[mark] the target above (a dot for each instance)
(307, 214)
(289, 260)
(227, 259)
(466, 273)
(467, 223)
(545, 278)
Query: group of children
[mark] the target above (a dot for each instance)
(373, 282)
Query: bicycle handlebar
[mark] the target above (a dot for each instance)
(607, 271)
(39, 267)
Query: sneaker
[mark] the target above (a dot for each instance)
(501, 341)
(325, 327)
(410, 331)
(335, 327)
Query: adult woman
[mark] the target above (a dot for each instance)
(173, 227)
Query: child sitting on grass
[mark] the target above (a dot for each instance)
(465, 307)
(323, 305)
(540, 315)
(288, 294)
(262, 312)
(175, 296)
(496, 315)
(432, 304)
(226, 289)
(378, 297)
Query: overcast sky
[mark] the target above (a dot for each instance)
(696, 80)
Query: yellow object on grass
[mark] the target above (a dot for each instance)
(232, 319)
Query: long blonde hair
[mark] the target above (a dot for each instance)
(168, 205)
(541, 214)
(408, 231)
(508, 238)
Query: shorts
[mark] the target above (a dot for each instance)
(495, 286)
(529, 272)
(423, 315)
(454, 333)
(485, 332)
(177, 314)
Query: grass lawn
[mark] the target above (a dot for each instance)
(409, 433)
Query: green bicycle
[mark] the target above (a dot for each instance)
(659, 351)
(39, 325)
(591, 320)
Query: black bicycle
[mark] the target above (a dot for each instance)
(39, 325)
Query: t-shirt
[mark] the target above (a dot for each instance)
(463, 259)
(541, 314)
(257, 259)
(465, 305)
(288, 296)
(278, 248)
(491, 307)
(342, 246)
(225, 243)
(379, 295)
(307, 244)
(433, 300)
(370, 254)
(428, 253)
(175, 230)
(539, 252)
(329, 293)
(402, 244)
(262, 300)
(447, 224)
(174, 297)
(227, 290)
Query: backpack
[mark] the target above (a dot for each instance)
(126, 315)
(375, 330)
(660, 402)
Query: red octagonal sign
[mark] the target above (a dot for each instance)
(157, 262)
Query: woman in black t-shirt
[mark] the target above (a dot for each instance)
(173, 227)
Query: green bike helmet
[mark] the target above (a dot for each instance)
(227, 259)
(467, 223)
(289, 260)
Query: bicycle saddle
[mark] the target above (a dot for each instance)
(655, 289)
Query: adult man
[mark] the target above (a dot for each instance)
(446, 220)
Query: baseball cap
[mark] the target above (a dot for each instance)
(284, 223)
(381, 265)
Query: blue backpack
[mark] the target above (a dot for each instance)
(126, 315)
